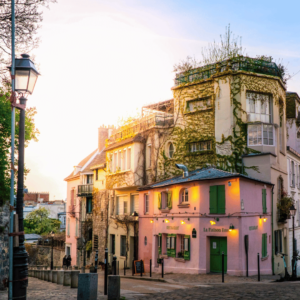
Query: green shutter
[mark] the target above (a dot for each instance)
(213, 200)
(186, 255)
(159, 200)
(169, 200)
(221, 199)
(264, 201)
(264, 245)
(172, 250)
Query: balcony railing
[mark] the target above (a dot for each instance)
(85, 190)
(235, 64)
(142, 124)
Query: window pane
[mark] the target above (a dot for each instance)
(186, 244)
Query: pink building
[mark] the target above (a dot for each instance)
(189, 221)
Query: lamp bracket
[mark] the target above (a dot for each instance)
(13, 101)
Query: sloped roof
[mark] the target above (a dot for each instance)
(209, 173)
(100, 159)
(138, 138)
(81, 164)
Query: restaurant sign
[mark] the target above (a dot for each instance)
(253, 227)
(173, 227)
(215, 229)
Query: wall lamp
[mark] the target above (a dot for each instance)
(182, 222)
(151, 221)
(229, 183)
(264, 218)
(167, 221)
(212, 222)
(231, 227)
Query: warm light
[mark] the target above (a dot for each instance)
(167, 221)
(151, 221)
(231, 227)
(182, 222)
(212, 222)
(265, 219)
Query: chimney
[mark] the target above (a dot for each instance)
(102, 136)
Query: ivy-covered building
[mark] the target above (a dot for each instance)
(232, 115)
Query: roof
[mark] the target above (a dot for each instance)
(81, 164)
(166, 106)
(293, 151)
(209, 173)
(100, 159)
(138, 138)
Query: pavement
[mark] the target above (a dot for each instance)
(176, 286)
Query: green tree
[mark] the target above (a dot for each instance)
(31, 133)
(38, 222)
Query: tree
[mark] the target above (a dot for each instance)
(28, 18)
(38, 222)
(31, 133)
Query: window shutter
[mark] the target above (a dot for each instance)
(159, 200)
(264, 200)
(221, 199)
(213, 200)
(187, 252)
(264, 245)
(276, 241)
(173, 245)
(159, 243)
(170, 200)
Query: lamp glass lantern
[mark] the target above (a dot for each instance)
(26, 74)
(292, 210)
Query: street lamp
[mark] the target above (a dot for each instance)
(294, 260)
(52, 235)
(25, 78)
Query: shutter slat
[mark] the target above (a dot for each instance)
(264, 200)
(213, 200)
(221, 199)
(170, 200)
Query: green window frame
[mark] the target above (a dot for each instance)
(159, 243)
(187, 247)
(217, 199)
(264, 201)
(89, 205)
(264, 251)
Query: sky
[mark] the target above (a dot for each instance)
(102, 60)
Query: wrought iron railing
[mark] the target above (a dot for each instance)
(85, 189)
(235, 64)
(142, 124)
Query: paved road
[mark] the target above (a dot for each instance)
(189, 287)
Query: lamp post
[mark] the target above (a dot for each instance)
(25, 79)
(294, 260)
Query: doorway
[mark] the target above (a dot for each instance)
(217, 246)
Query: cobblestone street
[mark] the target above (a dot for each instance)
(176, 286)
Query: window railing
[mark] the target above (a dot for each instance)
(85, 189)
(142, 124)
(241, 63)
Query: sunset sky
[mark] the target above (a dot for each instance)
(102, 60)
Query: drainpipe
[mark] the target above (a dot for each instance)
(272, 225)
(184, 168)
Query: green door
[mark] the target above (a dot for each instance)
(217, 246)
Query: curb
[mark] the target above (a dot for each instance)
(143, 278)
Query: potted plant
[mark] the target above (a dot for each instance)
(284, 205)
(180, 254)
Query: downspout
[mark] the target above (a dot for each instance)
(272, 225)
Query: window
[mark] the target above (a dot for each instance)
(264, 200)
(64, 221)
(95, 242)
(76, 228)
(168, 243)
(123, 245)
(281, 138)
(111, 163)
(68, 229)
(129, 159)
(171, 150)
(258, 107)
(184, 196)
(124, 167)
(187, 247)
(293, 174)
(217, 199)
(72, 197)
(89, 205)
(264, 252)
(279, 187)
(198, 104)
(145, 241)
(146, 203)
(96, 171)
(199, 146)
(113, 244)
(171, 245)
(115, 162)
(134, 204)
(261, 134)
(89, 179)
(165, 200)
(125, 207)
(119, 160)
(159, 242)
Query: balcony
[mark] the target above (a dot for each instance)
(142, 124)
(85, 190)
(235, 64)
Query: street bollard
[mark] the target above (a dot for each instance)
(162, 268)
(124, 269)
(258, 268)
(118, 268)
(133, 268)
(114, 265)
(150, 267)
(105, 272)
(141, 268)
(96, 262)
(223, 267)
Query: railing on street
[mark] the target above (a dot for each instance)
(240, 63)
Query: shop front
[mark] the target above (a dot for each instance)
(191, 222)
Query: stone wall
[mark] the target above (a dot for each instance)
(4, 225)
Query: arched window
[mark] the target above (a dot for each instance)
(184, 196)
(145, 241)
(171, 150)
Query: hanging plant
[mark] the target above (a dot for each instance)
(284, 205)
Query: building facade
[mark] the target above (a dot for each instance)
(189, 221)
